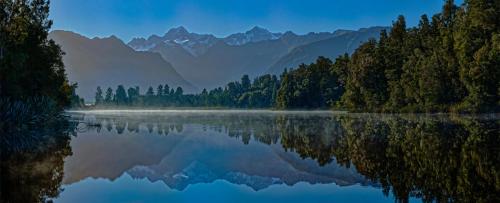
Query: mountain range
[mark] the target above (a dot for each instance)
(108, 62)
(209, 62)
(196, 61)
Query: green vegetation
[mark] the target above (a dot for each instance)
(310, 86)
(31, 64)
(437, 158)
(448, 63)
(260, 93)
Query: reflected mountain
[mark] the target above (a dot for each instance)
(181, 150)
(434, 158)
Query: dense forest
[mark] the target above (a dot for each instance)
(448, 63)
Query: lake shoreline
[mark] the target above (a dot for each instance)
(194, 110)
(272, 111)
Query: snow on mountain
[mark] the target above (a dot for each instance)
(197, 44)
(210, 62)
(256, 34)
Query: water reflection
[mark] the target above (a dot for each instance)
(181, 150)
(434, 158)
(32, 160)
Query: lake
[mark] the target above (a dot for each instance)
(255, 156)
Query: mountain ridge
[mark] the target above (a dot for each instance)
(194, 60)
(220, 62)
(95, 62)
(330, 48)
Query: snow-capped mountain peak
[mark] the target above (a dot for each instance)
(257, 29)
(195, 44)
(256, 34)
(198, 44)
(176, 33)
(180, 29)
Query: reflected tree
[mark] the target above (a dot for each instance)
(434, 158)
(32, 159)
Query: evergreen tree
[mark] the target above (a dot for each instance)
(179, 91)
(108, 99)
(150, 92)
(133, 95)
(121, 96)
(99, 99)
(166, 90)
(393, 56)
(149, 97)
(159, 91)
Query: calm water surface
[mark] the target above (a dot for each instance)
(259, 156)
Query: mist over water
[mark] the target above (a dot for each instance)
(179, 153)
(201, 111)
(261, 155)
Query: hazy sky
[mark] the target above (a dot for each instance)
(141, 18)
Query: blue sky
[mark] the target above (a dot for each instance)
(141, 18)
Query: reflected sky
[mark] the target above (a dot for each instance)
(128, 189)
(228, 156)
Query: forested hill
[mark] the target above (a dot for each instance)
(449, 62)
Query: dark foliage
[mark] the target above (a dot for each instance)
(448, 63)
(30, 64)
(311, 86)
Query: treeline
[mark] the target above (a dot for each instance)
(261, 93)
(450, 62)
